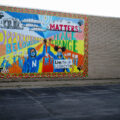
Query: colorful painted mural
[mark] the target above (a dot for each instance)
(42, 43)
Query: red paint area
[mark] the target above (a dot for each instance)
(3, 50)
(47, 67)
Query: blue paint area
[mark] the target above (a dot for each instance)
(31, 65)
(76, 62)
(22, 16)
(51, 60)
(56, 57)
(14, 59)
(7, 65)
(48, 33)
(20, 62)
(3, 63)
(46, 61)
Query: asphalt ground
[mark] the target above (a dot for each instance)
(101, 102)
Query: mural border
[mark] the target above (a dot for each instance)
(51, 13)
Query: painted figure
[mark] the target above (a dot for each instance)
(51, 60)
(25, 66)
(31, 64)
(8, 65)
(46, 60)
(3, 63)
(76, 58)
(58, 56)
(20, 61)
(14, 60)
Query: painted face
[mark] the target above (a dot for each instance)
(33, 53)
(59, 55)
(59, 50)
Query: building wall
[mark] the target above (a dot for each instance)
(104, 47)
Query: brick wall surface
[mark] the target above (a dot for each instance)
(104, 47)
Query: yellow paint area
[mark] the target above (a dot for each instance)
(76, 46)
(41, 61)
(8, 37)
(80, 46)
(11, 55)
(75, 69)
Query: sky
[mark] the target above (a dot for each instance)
(107, 8)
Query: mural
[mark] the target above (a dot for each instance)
(42, 45)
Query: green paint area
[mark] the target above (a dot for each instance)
(68, 44)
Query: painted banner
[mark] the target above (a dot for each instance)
(35, 43)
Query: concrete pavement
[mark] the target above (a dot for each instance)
(39, 83)
(61, 103)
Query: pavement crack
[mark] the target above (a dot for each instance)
(28, 94)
